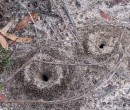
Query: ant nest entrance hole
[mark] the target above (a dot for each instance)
(46, 76)
(102, 45)
(43, 75)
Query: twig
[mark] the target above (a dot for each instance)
(68, 64)
(67, 13)
(52, 14)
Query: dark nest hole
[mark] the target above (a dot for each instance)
(102, 45)
(46, 76)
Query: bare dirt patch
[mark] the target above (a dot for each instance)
(79, 59)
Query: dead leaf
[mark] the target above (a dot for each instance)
(3, 42)
(25, 21)
(104, 15)
(13, 37)
(7, 27)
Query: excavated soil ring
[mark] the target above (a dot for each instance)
(43, 75)
(44, 80)
(101, 41)
(51, 81)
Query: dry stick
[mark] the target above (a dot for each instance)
(68, 64)
(52, 14)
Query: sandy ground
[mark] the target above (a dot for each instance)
(78, 60)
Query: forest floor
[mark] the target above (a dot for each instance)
(78, 59)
